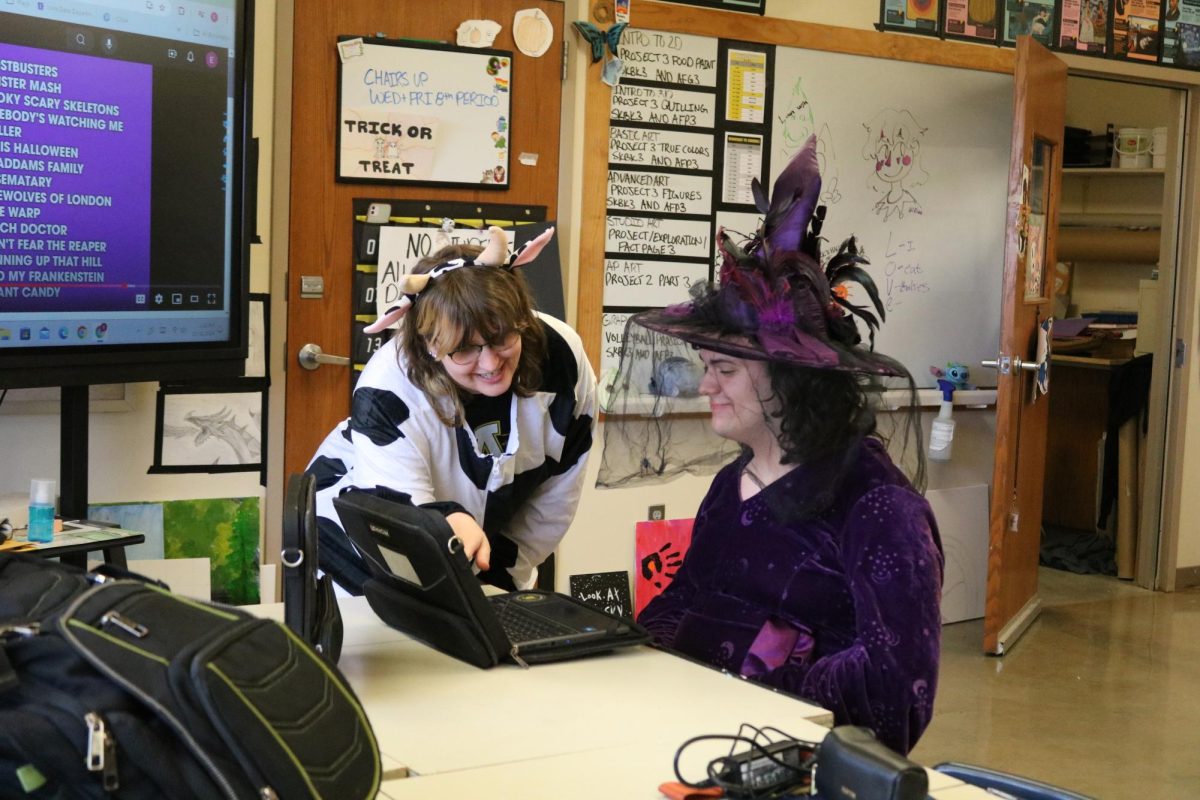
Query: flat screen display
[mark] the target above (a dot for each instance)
(122, 130)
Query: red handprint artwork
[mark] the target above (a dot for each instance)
(660, 548)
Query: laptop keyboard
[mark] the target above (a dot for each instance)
(521, 625)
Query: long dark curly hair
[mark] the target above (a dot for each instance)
(822, 415)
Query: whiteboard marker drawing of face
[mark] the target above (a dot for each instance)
(893, 145)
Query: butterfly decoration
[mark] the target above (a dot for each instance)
(598, 38)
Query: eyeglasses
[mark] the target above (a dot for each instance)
(469, 354)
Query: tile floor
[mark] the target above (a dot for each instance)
(1101, 695)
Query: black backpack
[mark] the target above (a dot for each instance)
(116, 688)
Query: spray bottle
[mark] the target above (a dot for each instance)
(941, 435)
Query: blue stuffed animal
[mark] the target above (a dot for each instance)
(955, 373)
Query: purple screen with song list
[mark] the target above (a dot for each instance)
(75, 183)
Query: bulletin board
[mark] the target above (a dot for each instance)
(935, 243)
(423, 114)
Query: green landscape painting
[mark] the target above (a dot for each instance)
(226, 531)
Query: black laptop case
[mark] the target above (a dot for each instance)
(448, 609)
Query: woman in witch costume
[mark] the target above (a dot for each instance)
(815, 565)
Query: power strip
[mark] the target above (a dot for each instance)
(755, 772)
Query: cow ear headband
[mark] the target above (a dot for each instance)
(492, 255)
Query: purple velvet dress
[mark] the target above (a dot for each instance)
(841, 608)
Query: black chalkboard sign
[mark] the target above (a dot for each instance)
(606, 591)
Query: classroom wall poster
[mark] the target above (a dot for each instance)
(1029, 17)
(1035, 259)
(743, 161)
(909, 16)
(1181, 34)
(1135, 30)
(972, 20)
(749, 6)
(1083, 26)
(747, 86)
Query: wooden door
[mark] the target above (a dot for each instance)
(1035, 174)
(321, 214)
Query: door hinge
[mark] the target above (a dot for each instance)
(566, 54)
(1180, 353)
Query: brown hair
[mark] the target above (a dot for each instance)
(475, 300)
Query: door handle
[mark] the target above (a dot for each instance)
(1007, 364)
(311, 356)
(1040, 368)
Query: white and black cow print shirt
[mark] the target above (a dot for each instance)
(524, 497)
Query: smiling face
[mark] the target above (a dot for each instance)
(893, 160)
(485, 368)
(739, 395)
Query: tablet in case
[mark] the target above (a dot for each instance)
(422, 584)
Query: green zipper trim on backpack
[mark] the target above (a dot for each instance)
(114, 640)
(283, 745)
(336, 680)
(320, 663)
(31, 778)
(199, 606)
(271, 728)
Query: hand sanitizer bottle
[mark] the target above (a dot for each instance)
(41, 511)
(941, 435)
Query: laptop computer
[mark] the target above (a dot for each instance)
(421, 583)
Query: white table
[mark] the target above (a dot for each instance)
(602, 727)
(630, 771)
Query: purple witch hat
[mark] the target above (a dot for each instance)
(775, 301)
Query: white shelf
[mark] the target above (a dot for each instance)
(1099, 196)
(1078, 219)
(895, 399)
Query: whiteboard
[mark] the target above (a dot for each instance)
(421, 113)
(934, 234)
(686, 136)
